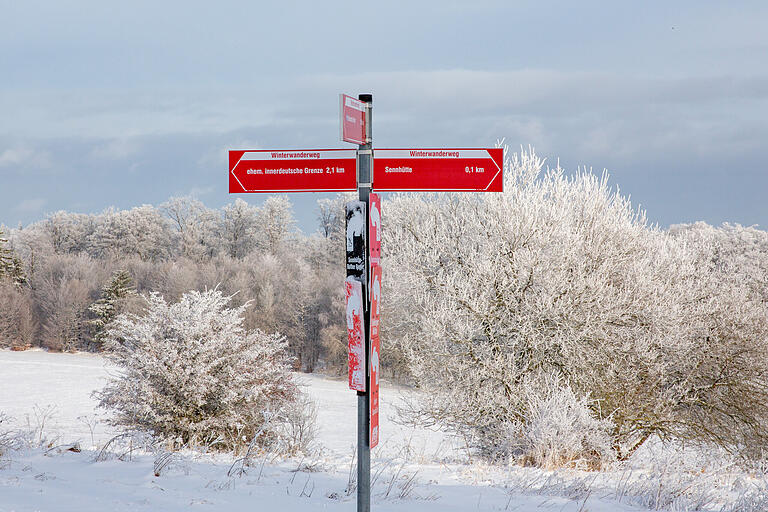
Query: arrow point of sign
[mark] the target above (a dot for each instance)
(234, 157)
(235, 189)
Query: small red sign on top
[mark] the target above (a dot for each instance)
(352, 122)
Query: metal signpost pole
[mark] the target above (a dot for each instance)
(325, 170)
(364, 180)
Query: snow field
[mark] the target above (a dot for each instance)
(412, 469)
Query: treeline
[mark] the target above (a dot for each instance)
(64, 278)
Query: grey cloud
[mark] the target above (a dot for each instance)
(33, 205)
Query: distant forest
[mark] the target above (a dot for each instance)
(65, 277)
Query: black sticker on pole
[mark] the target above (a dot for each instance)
(356, 224)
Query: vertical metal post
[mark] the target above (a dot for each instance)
(364, 181)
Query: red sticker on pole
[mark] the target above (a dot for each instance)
(355, 338)
(310, 170)
(352, 121)
(374, 228)
(375, 353)
(438, 170)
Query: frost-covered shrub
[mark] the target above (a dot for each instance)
(560, 429)
(296, 426)
(8, 438)
(724, 369)
(190, 373)
(489, 293)
(557, 275)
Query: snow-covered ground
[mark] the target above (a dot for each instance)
(414, 469)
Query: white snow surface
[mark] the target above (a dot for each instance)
(413, 469)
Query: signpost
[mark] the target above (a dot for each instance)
(310, 170)
(450, 170)
(329, 170)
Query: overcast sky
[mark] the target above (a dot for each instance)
(127, 103)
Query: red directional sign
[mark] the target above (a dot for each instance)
(449, 170)
(308, 170)
(352, 124)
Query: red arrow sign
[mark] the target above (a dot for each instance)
(309, 170)
(449, 170)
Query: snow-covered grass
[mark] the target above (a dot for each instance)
(48, 397)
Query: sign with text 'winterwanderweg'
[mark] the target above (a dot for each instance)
(309, 170)
(438, 170)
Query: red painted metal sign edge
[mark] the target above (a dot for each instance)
(374, 228)
(375, 367)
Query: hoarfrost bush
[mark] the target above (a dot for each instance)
(296, 426)
(10, 440)
(560, 429)
(191, 374)
(751, 501)
(672, 476)
(559, 275)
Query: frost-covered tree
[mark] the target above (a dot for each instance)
(734, 253)
(141, 231)
(110, 304)
(239, 226)
(488, 295)
(197, 227)
(11, 267)
(191, 373)
(276, 224)
(6, 255)
(18, 322)
(63, 289)
(723, 372)
(281, 297)
(330, 216)
(69, 232)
